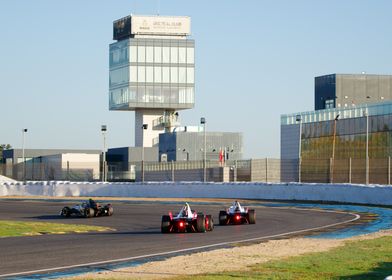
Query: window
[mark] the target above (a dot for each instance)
(149, 95)
(165, 54)
(181, 55)
(133, 54)
(141, 74)
(132, 94)
(119, 76)
(140, 94)
(166, 74)
(182, 75)
(190, 55)
(174, 74)
(158, 95)
(189, 95)
(174, 55)
(157, 74)
(158, 54)
(190, 72)
(149, 74)
(329, 103)
(133, 74)
(141, 53)
(150, 54)
(182, 95)
(116, 56)
(165, 94)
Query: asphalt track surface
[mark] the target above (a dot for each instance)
(137, 233)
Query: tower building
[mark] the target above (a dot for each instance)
(151, 72)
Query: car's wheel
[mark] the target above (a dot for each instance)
(66, 212)
(209, 223)
(252, 216)
(222, 218)
(89, 212)
(201, 223)
(165, 225)
(110, 210)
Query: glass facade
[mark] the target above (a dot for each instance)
(343, 133)
(151, 73)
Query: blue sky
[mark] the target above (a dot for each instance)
(255, 60)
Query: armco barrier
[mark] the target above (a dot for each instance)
(339, 193)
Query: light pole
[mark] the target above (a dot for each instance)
(299, 119)
(24, 131)
(203, 122)
(103, 130)
(144, 127)
(366, 114)
(333, 146)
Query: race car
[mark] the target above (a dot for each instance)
(187, 220)
(88, 209)
(236, 214)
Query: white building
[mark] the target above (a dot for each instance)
(152, 69)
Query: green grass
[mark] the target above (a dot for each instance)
(368, 259)
(17, 228)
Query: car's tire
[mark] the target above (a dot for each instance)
(201, 223)
(209, 223)
(110, 210)
(252, 216)
(89, 212)
(66, 212)
(165, 225)
(222, 218)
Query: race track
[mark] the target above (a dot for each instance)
(137, 233)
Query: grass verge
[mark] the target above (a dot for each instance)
(18, 228)
(366, 259)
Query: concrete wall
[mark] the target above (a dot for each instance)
(339, 193)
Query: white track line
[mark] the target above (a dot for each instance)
(185, 250)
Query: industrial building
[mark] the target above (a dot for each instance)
(349, 90)
(350, 141)
(52, 164)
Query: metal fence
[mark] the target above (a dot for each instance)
(254, 170)
(67, 171)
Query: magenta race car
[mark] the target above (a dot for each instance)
(236, 214)
(187, 220)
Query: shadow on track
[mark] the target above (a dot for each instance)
(56, 217)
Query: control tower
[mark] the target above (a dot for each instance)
(151, 72)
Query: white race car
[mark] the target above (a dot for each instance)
(187, 220)
(236, 214)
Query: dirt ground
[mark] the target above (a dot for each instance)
(231, 259)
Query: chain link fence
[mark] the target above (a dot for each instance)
(253, 170)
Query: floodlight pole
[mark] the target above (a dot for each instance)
(24, 131)
(203, 122)
(333, 146)
(367, 146)
(103, 130)
(299, 119)
(144, 126)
